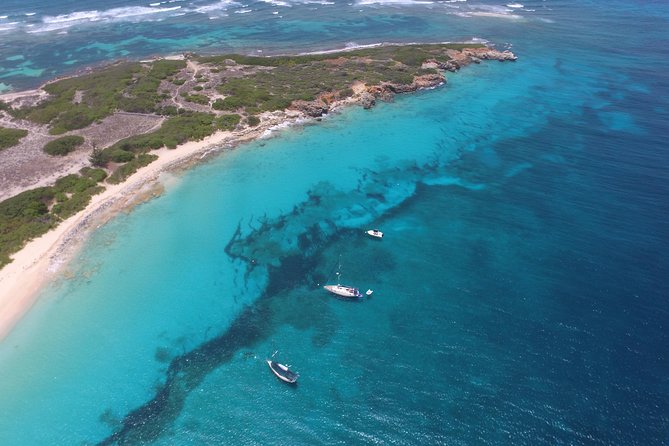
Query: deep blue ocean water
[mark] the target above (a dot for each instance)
(520, 290)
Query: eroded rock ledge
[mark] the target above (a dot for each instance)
(386, 90)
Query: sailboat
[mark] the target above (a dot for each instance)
(343, 290)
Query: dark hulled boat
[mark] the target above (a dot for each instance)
(282, 372)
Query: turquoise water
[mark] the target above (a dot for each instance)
(520, 293)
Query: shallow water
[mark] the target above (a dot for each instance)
(519, 292)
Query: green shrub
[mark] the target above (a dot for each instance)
(121, 156)
(73, 183)
(142, 95)
(98, 158)
(176, 130)
(196, 98)
(77, 202)
(26, 215)
(11, 137)
(96, 175)
(125, 170)
(169, 110)
(198, 88)
(253, 120)
(75, 118)
(22, 218)
(228, 122)
(63, 146)
(98, 91)
(218, 104)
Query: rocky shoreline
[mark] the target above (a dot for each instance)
(385, 91)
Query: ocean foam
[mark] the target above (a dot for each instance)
(221, 5)
(494, 15)
(394, 2)
(131, 13)
(73, 17)
(491, 11)
(277, 3)
(11, 26)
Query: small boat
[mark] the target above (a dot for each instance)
(282, 372)
(375, 233)
(343, 290)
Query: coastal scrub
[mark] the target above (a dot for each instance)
(32, 213)
(64, 145)
(11, 137)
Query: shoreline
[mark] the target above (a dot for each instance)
(39, 262)
(41, 259)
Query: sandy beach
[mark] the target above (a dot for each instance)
(41, 259)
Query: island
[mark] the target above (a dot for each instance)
(79, 148)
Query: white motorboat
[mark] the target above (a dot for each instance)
(375, 233)
(282, 372)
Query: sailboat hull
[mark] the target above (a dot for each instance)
(343, 291)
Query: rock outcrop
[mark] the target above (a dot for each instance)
(459, 59)
(368, 95)
(386, 90)
(367, 100)
(314, 109)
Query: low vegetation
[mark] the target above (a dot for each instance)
(188, 126)
(124, 171)
(64, 145)
(306, 77)
(32, 213)
(196, 98)
(253, 121)
(11, 137)
(228, 122)
(77, 102)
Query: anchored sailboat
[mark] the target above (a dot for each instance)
(343, 290)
